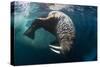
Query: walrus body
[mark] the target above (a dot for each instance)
(58, 24)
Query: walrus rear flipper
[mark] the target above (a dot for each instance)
(29, 33)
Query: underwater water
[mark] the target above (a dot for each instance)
(28, 51)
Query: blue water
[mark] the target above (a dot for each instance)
(28, 51)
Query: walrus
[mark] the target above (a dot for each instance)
(60, 25)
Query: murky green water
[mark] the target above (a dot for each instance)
(28, 51)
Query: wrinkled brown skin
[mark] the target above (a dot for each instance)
(50, 25)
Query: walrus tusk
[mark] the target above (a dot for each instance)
(56, 51)
(55, 47)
